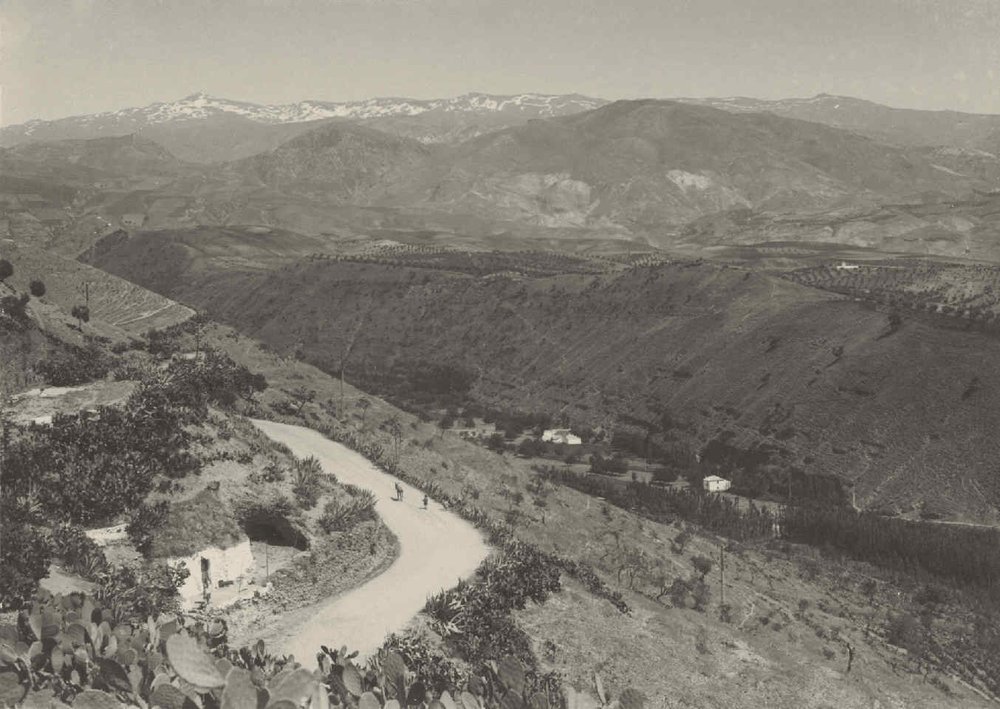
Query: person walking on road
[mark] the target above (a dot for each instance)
(399, 492)
(425, 502)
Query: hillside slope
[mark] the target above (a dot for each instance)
(699, 354)
(113, 301)
(643, 163)
(902, 126)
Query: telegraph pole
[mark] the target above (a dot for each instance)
(722, 572)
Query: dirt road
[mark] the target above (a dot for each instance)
(437, 548)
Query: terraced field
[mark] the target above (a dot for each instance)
(959, 290)
(113, 300)
(478, 263)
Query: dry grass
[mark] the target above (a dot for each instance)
(770, 654)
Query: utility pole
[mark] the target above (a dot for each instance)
(86, 293)
(722, 572)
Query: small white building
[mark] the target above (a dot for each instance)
(561, 435)
(713, 483)
(201, 534)
(212, 566)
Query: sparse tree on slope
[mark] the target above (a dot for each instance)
(37, 288)
(82, 315)
(6, 270)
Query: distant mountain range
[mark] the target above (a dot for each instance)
(902, 126)
(202, 128)
(692, 173)
(632, 165)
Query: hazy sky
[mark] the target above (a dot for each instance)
(65, 57)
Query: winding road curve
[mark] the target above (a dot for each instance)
(437, 548)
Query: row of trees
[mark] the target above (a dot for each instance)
(963, 555)
(719, 514)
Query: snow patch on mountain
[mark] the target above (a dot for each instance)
(201, 106)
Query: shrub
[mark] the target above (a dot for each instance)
(702, 565)
(24, 555)
(94, 468)
(306, 481)
(81, 313)
(74, 366)
(14, 307)
(37, 288)
(339, 517)
(143, 523)
(79, 553)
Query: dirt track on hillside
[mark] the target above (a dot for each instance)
(437, 548)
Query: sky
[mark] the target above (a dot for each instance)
(70, 57)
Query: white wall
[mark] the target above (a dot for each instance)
(107, 535)
(232, 564)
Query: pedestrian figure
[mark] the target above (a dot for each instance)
(850, 657)
(399, 492)
(425, 502)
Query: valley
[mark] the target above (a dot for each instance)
(450, 381)
(692, 356)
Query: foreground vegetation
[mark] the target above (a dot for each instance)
(70, 650)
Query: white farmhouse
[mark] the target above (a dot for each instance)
(561, 435)
(713, 483)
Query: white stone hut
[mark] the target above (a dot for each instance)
(201, 534)
(713, 483)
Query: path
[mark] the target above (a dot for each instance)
(437, 548)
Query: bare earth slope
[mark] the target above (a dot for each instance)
(437, 549)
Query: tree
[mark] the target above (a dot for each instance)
(37, 288)
(82, 315)
(6, 270)
(702, 564)
(364, 403)
(303, 396)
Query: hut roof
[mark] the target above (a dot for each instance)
(194, 524)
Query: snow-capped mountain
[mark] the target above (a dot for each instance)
(205, 128)
(202, 106)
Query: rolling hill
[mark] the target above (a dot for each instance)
(675, 175)
(700, 355)
(901, 126)
(643, 163)
(115, 302)
(628, 165)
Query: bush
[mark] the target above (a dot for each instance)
(143, 523)
(339, 517)
(24, 555)
(307, 482)
(15, 307)
(79, 553)
(90, 469)
(74, 366)
(37, 288)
